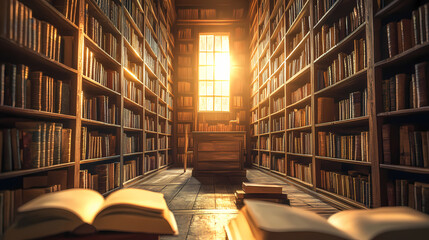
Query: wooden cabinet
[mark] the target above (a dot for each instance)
(219, 152)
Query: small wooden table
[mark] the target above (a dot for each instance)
(219, 153)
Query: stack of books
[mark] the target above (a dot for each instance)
(263, 192)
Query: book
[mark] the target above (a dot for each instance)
(86, 211)
(259, 220)
(261, 188)
(325, 109)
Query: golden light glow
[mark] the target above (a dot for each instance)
(214, 73)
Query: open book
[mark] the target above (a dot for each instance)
(84, 211)
(259, 220)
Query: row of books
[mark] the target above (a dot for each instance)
(132, 38)
(131, 119)
(95, 70)
(130, 169)
(300, 93)
(149, 61)
(354, 106)
(329, 36)
(278, 164)
(162, 159)
(184, 33)
(102, 178)
(100, 108)
(149, 105)
(301, 171)
(95, 144)
(220, 127)
(150, 123)
(294, 10)
(132, 143)
(185, 101)
(278, 37)
(150, 144)
(151, 41)
(353, 185)
(132, 91)
(162, 110)
(134, 10)
(277, 17)
(110, 9)
(404, 192)
(264, 93)
(405, 145)
(299, 142)
(68, 8)
(297, 64)
(264, 143)
(32, 187)
(278, 104)
(264, 126)
(321, 7)
(405, 91)
(265, 160)
(254, 116)
(20, 26)
(345, 146)
(162, 142)
(135, 67)
(406, 33)
(345, 66)
(278, 80)
(150, 82)
(22, 88)
(278, 124)
(186, 48)
(185, 116)
(104, 39)
(299, 117)
(34, 145)
(278, 143)
(149, 163)
(297, 38)
(254, 101)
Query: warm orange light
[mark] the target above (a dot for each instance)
(214, 73)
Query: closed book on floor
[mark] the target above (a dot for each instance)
(261, 188)
(259, 220)
(86, 211)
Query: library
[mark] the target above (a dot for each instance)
(319, 106)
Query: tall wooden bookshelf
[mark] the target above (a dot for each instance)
(108, 48)
(336, 126)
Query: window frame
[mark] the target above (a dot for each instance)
(198, 73)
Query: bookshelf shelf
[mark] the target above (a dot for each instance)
(129, 75)
(20, 173)
(303, 128)
(132, 154)
(99, 123)
(93, 84)
(299, 181)
(305, 9)
(299, 155)
(96, 160)
(299, 103)
(352, 82)
(341, 198)
(25, 112)
(103, 18)
(134, 54)
(340, 46)
(327, 14)
(347, 161)
(130, 103)
(405, 112)
(409, 169)
(353, 122)
(25, 55)
(418, 51)
(299, 75)
(393, 6)
(51, 14)
(129, 129)
(103, 55)
(298, 46)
